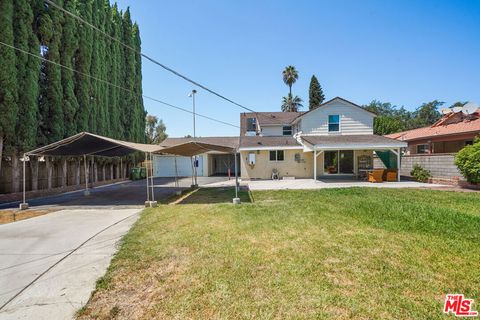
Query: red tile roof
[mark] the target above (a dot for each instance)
(470, 124)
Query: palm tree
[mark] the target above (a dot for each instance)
(290, 75)
(291, 104)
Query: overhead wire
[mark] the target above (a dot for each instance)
(115, 85)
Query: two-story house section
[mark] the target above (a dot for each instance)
(334, 139)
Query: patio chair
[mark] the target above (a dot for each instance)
(376, 175)
(390, 175)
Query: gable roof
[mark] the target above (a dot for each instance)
(332, 100)
(466, 125)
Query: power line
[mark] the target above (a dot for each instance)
(116, 86)
(147, 57)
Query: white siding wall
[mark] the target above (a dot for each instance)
(272, 131)
(353, 120)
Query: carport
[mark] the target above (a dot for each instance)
(89, 144)
(193, 148)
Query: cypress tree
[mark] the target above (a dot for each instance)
(140, 112)
(68, 49)
(316, 96)
(83, 58)
(28, 69)
(51, 127)
(128, 103)
(8, 79)
(116, 76)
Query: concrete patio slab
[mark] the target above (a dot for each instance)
(331, 183)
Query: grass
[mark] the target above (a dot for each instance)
(356, 253)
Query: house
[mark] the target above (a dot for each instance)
(336, 139)
(449, 134)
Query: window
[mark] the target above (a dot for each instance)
(287, 130)
(422, 148)
(276, 155)
(333, 123)
(251, 124)
(468, 142)
(251, 159)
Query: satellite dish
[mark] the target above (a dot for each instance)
(446, 110)
(457, 109)
(469, 108)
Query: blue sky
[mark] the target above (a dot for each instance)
(403, 52)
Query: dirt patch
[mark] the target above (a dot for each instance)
(7, 216)
(133, 295)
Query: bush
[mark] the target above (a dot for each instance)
(420, 174)
(468, 162)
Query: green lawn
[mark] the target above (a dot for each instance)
(360, 253)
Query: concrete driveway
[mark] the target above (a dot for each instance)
(49, 264)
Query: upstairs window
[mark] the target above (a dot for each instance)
(251, 124)
(277, 155)
(287, 130)
(333, 123)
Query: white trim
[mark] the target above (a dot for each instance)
(358, 147)
(271, 148)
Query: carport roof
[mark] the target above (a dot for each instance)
(195, 147)
(86, 143)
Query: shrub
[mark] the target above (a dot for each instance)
(420, 174)
(467, 161)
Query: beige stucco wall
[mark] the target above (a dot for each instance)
(288, 167)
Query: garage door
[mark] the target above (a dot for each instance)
(165, 166)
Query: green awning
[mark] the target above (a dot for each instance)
(388, 158)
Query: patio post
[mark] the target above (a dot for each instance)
(398, 164)
(151, 176)
(315, 164)
(236, 200)
(146, 173)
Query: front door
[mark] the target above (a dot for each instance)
(340, 161)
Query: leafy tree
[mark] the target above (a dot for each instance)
(8, 78)
(468, 162)
(290, 76)
(155, 130)
(383, 125)
(316, 96)
(427, 114)
(291, 104)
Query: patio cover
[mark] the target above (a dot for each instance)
(193, 148)
(86, 143)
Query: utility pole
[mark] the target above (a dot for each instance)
(192, 95)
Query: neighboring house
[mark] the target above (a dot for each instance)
(448, 135)
(335, 139)
(434, 147)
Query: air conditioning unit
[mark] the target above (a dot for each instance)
(250, 133)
